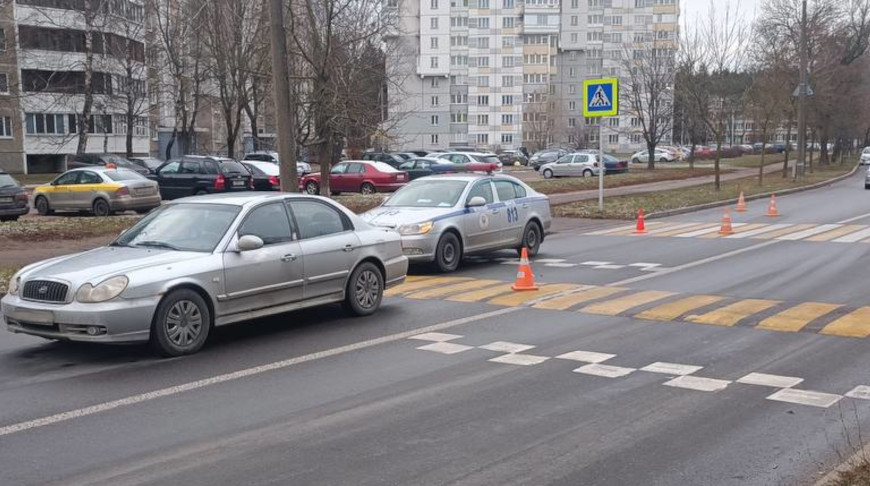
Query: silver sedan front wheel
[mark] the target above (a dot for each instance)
(181, 324)
(365, 289)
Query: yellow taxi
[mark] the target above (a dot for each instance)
(102, 190)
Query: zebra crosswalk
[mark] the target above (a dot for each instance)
(652, 305)
(835, 233)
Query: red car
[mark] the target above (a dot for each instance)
(365, 176)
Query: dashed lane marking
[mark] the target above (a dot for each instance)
(774, 381)
(506, 347)
(861, 392)
(622, 304)
(698, 383)
(805, 397)
(445, 348)
(854, 324)
(436, 337)
(675, 369)
(796, 318)
(673, 310)
(730, 315)
(606, 371)
(586, 356)
(519, 359)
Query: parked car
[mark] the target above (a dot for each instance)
(14, 201)
(302, 167)
(576, 165)
(100, 190)
(389, 159)
(364, 176)
(658, 156)
(407, 155)
(865, 156)
(150, 163)
(418, 153)
(266, 175)
(545, 157)
(470, 158)
(90, 160)
(612, 165)
(200, 174)
(425, 166)
(445, 217)
(511, 157)
(207, 261)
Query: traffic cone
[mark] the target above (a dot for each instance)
(741, 203)
(726, 228)
(641, 224)
(525, 277)
(771, 209)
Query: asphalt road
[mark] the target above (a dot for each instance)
(317, 398)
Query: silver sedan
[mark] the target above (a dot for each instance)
(443, 218)
(207, 261)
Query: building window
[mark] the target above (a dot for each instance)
(574, 38)
(483, 23)
(433, 62)
(508, 22)
(614, 122)
(52, 124)
(5, 127)
(507, 100)
(483, 120)
(482, 138)
(433, 23)
(483, 100)
(595, 19)
(434, 4)
(572, 105)
(483, 81)
(4, 83)
(507, 119)
(483, 4)
(508, 3)
(635, 138)
(434, 120)
(572, 122)
(507, 81)
(508, 61)
(616, 20)
(507, 138)
(2, 39)
(459, 117)
(433, 139)
(635, 121)
(575, 4)
(573, 20)
(434, 82)
(613, 139)
(433, 43)
(571, 72)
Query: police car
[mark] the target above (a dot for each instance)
(445, 217)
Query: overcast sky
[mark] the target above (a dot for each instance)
(692, 8)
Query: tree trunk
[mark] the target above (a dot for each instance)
(84, 120)
(129, 137)
(718, 183)
(692, 156)
(785, 159)
(810, 158)
(651, 152)
(761, 164)
(168, 154)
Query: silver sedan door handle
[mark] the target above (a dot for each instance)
(495, 211)
(348, 248)
(288, 258)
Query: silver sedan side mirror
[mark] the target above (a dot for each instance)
(476, 202)
(249, 242)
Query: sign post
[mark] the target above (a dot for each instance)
(601, 99)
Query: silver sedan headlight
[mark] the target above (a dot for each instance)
(105, 290)
(416, 228)
(14, 284)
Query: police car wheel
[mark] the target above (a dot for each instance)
(531, 239)
(548, 174)
(448, 254)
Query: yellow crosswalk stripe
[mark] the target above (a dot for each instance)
(734, 313)
(622, 304)
(649, 226)
(516, 299)
(795, 318)
(452, 289)
(417, 278)
(843, 231)
(737, 229)
(478, 295)
(570, 300)
(688, 229)
(784, 231)
(855, 324)
(672, 227)
(422, 284)
(673, 310)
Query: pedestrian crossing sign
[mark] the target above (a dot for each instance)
(600, 97)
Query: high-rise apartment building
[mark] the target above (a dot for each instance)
(508, 73)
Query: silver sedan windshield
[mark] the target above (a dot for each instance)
(428, 194)
(181, 227)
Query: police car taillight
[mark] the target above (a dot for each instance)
(484, 167)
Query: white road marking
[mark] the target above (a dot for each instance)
(561, 265)
(436, 337)
(611, 230)
(706, 231)
(856, 218)
(506, 347)
(604, 370)
(853, 237)
(758, 231)
(595, 264)
(776, 381)
(861, 392)
(671, 368)
(586, 356)
(698, 383)
(805, 397)
(235, 375)
(510, 262)
(548, 260)
(519, 359)
(445, 348)
(609, 267)
(670, 227)
(823, 228)
(645, 265)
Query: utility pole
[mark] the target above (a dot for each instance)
(283, 103)
(803, 91)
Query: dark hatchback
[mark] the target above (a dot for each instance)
(198, 174)
(13, 198)
(423, 167)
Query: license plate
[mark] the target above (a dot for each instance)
(5, 199)
(142, 191)
(31, 316)
(238, 183)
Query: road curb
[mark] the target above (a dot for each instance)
(857, 458)
(727, 202)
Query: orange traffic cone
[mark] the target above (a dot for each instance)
(525, 277)
(641, 224)
(771, 209)
(726, 228)
(741, 203)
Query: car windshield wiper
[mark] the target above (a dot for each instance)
(115, 243)
(158, 244)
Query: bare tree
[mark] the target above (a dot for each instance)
(766, 104)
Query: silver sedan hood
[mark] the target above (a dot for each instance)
(104, 262)
(393, 217)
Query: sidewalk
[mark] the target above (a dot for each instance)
(570, 197)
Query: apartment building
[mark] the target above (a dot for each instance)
(43, 59)
(500, 74)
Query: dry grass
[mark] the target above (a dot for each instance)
(6, 274)
(53, 229)
(637, 175)
(625, 207)
(857, 475)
